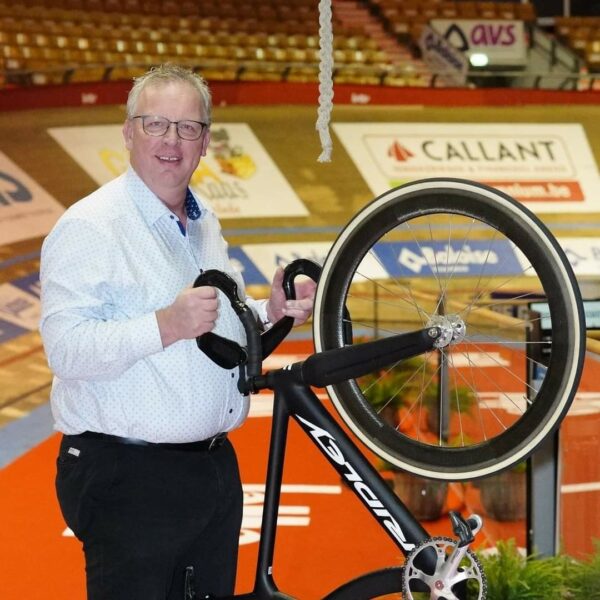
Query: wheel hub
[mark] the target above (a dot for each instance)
(452, 327)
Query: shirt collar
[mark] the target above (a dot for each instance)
(150, 205)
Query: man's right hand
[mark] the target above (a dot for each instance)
(193, 313)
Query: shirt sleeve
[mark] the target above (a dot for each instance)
(85, 336)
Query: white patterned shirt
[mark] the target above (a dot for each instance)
(112, 260)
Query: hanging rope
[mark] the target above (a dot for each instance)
(325, 79)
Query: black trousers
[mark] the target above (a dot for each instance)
(145, 514)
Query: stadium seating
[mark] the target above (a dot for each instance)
(582, 34)
(95, 40)
(61, 41)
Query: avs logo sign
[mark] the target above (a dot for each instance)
(502, 41)
(429, 259)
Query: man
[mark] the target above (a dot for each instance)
(146, 477)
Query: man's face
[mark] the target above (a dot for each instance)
(166, 163)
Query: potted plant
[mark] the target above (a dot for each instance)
(425, 498)
(394, 394)
(406, 397)
(504, 495)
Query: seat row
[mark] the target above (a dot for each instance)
(183, 8)
(410, 9)
(112, 67)
(582, 35)
(20, 57)
(104, 37)
(138, 6)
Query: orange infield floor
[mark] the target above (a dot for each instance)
(324, 536)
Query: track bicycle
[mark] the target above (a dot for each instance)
(473, 292)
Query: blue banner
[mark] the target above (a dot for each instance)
(431, 258)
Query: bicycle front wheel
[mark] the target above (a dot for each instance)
(471, 260)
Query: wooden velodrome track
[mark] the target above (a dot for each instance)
(38, 561)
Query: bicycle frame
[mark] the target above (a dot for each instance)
(294, 399)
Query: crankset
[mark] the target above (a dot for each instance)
(456, 567)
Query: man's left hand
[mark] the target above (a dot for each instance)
(299, 309)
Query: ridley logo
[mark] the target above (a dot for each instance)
(398, 152)
(327, 443)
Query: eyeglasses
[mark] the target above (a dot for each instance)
(186, 130)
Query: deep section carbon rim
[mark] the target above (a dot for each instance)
(471, 260)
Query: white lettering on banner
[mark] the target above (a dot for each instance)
(328, 444)
(550, 166)
(360, 98)
(89, 98)
(26, 209)
(237, 178)
(446, 259)
(267, 257)
(550, 190)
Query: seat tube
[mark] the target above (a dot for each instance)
(264, 583)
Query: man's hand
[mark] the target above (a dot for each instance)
(300, 308)
(193, 313)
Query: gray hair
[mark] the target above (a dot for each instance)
(168, 73)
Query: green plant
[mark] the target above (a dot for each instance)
(391, 387)
(512, 576)
(583, 577)
(413, 384)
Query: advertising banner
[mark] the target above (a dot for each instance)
(26, 209)
(502, 41)
(548, 166)
(449, 64)
(19, 307)
(237, 178)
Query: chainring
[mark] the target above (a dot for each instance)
(439, 589)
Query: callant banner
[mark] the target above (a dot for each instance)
(26, 209)
(549, 167)
(237, 178)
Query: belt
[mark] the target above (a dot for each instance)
(208, 445)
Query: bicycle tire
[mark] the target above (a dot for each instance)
(493, 241)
